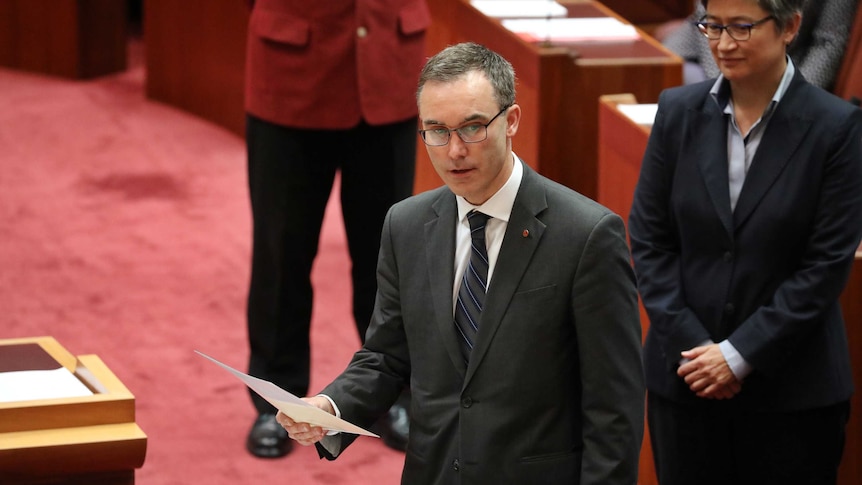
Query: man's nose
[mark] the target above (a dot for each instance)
(457, 147)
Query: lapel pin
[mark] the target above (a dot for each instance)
(526, 233)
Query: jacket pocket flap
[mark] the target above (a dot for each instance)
(279, 27)
(414, 18)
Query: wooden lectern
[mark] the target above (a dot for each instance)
(89, 440)
(621, 147)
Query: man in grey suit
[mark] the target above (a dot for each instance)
(520, 340)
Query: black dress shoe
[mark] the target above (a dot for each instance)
(267, 439)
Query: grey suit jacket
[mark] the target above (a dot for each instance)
(554, 389)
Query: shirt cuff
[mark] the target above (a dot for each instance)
(337, 413)
(737, 364)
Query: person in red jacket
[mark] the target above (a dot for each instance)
(329, 88)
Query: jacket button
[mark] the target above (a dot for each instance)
(466, 402)
(361, 32)
(729, 309)
(728, 257)
(456, 466)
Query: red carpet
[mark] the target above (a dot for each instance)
(125, 232)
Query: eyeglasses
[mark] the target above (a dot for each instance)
(737, 32)
(471, 133)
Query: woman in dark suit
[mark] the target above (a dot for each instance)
(744, 225)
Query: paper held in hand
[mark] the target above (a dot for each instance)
(291, 405)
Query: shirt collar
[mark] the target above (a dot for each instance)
(720, 90)
(499, 206)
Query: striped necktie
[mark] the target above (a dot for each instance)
(474, 284)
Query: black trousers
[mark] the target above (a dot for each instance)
(715, 443)
(290, 174)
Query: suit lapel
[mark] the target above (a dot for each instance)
(711, 155)
(781, 139)
(439, 255)
(523, 233)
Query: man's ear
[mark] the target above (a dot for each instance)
(513, 119)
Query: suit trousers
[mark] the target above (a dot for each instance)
(716, 443)
(291, 174)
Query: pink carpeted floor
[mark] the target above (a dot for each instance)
(125, 232)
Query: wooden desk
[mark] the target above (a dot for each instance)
(83, 440)
(621, 147)
(558, 87)
(651, 11)
(195, 57)
(75, 39)
(850, 471)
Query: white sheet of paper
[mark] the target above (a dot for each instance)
(27, 385)
(572, 29)
(520, 8)
(291, 405)
(642, 114)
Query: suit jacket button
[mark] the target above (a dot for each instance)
(361, 32)
(456, 466)
(728, 257)
(466, 402)
(729, 309)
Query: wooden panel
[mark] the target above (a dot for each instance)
(849, 82)
(558, 87)
(622, 144)
(73, 451)
(850, 471)
(195, 57)
(68, 38)
(651, 11)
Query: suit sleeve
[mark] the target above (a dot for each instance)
(604, 302)
(381, 368)
(656, 248)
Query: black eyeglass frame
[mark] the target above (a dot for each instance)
(458, 130)
(705, 26)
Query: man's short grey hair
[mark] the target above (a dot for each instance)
(457, 60)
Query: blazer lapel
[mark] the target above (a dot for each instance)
(439, 255)
(782, 137)
(711, 154)
(523, 233)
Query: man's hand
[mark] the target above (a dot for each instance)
(304, 433)
(707, 373)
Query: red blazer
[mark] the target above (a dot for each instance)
(326, 64)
